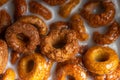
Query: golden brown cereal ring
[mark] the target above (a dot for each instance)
(101, 19)
(22, 37)
(40, 9)
(109, 37)
(54, 2)
(37, 22)
(20, 8)
(100, 60)
(5, 20)
(2, 2)
(71, 69)
(3, 55)
(14, 57)
(60, 45)
(34, 67)
(77, 24)
(58, 25)
(9, 74)
(66, 8)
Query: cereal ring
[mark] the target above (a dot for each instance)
(109, 37)
(40, 9)
(22, 37)
(54, 2)
(71, 69)
(14, 57)
(2, 2)
(5, 20)
(115, 75)
(98, 19)
(60, 45)
(3, 55)
(58, 25)
(37, 22)
(9, 74)
(66, 8)
(34, 67)
(100, 60)
(77, 24)
(20, 8)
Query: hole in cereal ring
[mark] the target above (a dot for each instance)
(69, 77)
(102, 57)
(30, 66)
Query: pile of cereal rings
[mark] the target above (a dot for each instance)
(36, 46)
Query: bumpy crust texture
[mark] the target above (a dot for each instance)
(110, 36)
(72, 68)
(55, 2)
(67, 41)
(100, 60)
(66, 8)
(101, 19)
(20, 8)
(3, 55)
(40, 70)
(22, 38)
(76, 23)
(5, 20)
(40, 9)
(2, 2)
(37, 22)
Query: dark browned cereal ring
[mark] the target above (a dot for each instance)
(20, 8)
(3, 56)
(101, 19)
(34, 67)
(76, 23)
(109, 37)
(5, 20)
(22, 37)
(37, 22)
(54, 2)
(66, 8)
(38, 8)
(70, 70)
(2, 2)
(60, 45)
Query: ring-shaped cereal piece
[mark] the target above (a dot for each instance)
(34, 67)
(60, 45)
(71, 69)
(98, 19)
(100, 60)
(3, 55)
(36, 21)
(110, 36)
(22, 37)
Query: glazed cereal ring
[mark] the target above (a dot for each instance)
(5, 20)
(34, 67)
(58, 25)
(20, 8)
(54, 2)
(22, 37)
(100, 60)
(37, 22)
(77, 24)
(109, 37)
(70, 70)
(2, 2)
(60, 45)
(40, 9)
(9, 74)
(66, 8)
(3, 55)
(98, 19)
